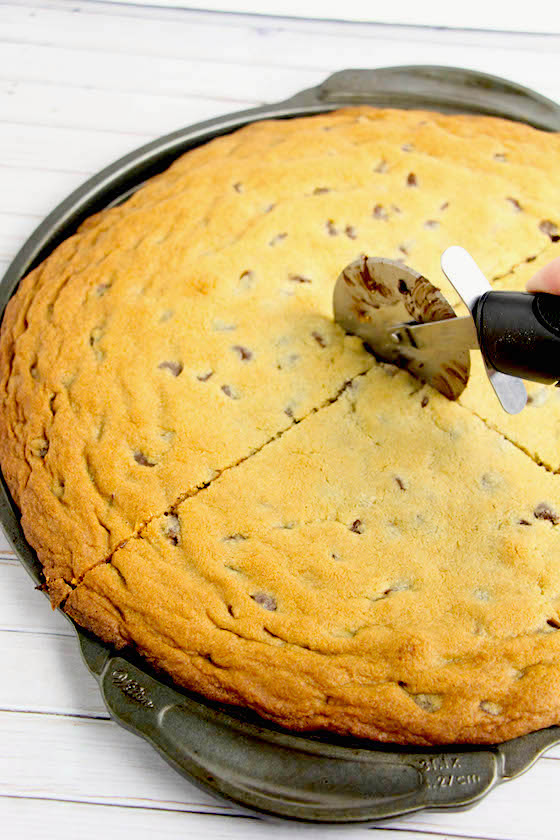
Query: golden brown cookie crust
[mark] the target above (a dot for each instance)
(212, 472)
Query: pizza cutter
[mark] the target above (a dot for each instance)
(405, 320)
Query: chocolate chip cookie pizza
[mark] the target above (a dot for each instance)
(214, 474)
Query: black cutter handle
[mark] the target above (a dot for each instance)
(519, 334)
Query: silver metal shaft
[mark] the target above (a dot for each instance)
(470, 283)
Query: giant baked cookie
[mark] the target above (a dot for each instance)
(212, 472)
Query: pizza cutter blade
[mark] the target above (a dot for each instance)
(377, 299)
(405, 320)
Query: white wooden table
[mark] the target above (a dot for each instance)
(82, 83)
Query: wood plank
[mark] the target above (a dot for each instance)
(54, 663)
(174, 63)
(473, 15)
(34, 103)
(65, 149)
(5, 547)
(88, 760)
(31, 194)
(51, 820)
(151, 75)
(50, 23)
(24, 609)
(225, 80)
(15, 228)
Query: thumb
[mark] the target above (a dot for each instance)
(546, 279)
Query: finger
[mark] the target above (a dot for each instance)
(546, 279)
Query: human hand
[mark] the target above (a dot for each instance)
(546, 279)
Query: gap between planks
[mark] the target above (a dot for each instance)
(143, 10)
(147, 822)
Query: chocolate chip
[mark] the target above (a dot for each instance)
(524, 522)
(411, 180)
(357, 527)
(173, 367)
(444, 206)
(278, 238)
(400, 482)
(319, 339)
(204, 377)
(321, 190)
(350, 232)
(553, 622)
(403, 288)
(289, 411)
(230, 392)
(514, 202)
(425, 401)
(144, 460)
(501, 157)
(402, 249)
(544, 511)
(331, 229)
(431, 224)
(238, 187)
(297, 278)
(244, 354)
(235, 538)
(264, 600)
(550, 229)
(379, 212)
(172, 528)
